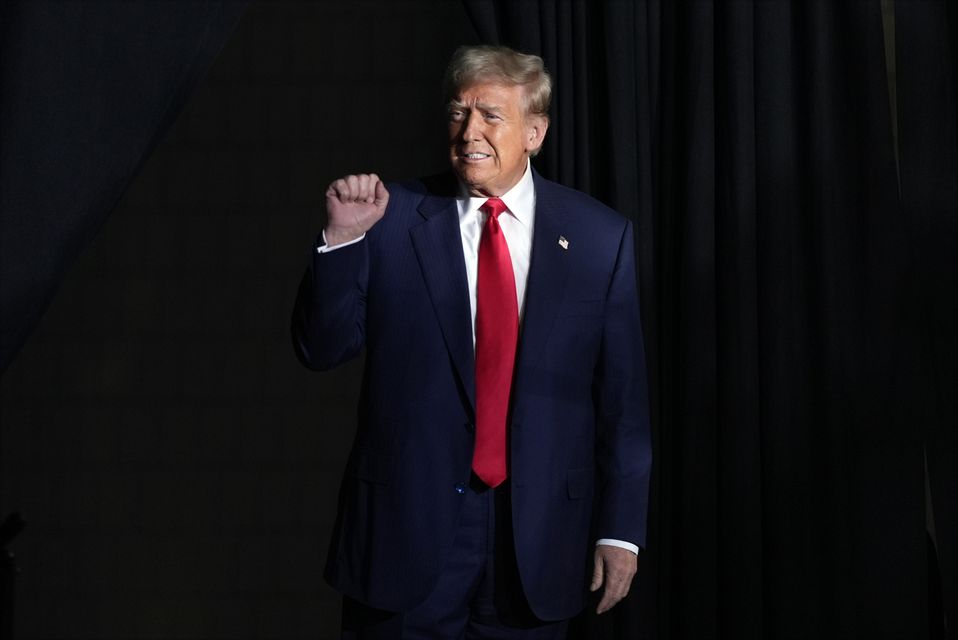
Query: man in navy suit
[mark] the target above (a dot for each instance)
(503, 439)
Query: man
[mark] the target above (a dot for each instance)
(503, 436)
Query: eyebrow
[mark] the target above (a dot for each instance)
(482, 106)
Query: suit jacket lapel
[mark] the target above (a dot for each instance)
(548, 273)
(438, 246)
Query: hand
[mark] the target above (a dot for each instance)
(353, 205)
(615, 567)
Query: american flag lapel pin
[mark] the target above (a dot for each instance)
(563, 243)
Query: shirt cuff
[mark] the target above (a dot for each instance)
(323, 248)
(622, 544)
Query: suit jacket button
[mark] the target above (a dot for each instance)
(460, 488)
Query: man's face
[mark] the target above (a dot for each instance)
(490, 137)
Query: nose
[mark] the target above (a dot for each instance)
(472, 127)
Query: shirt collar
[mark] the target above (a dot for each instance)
(520, 199)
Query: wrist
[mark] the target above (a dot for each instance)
(336, 236)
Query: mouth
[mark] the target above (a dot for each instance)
(473, 157)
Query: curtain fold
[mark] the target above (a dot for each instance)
(86, 91)
(928, 142)
(788, 296)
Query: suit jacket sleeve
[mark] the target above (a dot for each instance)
(329, 318)
(623, 441)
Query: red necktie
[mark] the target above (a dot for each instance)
(497, 331)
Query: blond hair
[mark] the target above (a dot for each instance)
(490, 63)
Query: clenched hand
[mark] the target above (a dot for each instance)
(353, 205)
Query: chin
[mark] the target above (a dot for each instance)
(471, 178)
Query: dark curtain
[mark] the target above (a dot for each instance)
(86, 91)
(928, 145)
(798, 299)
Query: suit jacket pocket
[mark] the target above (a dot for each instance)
(580, 483)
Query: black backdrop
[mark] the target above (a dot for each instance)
(797, 268)
(177, 467)
(88, 91)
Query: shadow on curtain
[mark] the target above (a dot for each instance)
(86, 91)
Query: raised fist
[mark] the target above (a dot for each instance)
(353, 205)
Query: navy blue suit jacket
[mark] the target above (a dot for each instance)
(580, 450)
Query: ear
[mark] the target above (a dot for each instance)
(536, 127)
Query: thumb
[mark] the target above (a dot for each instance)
(382, 195)
(597, 573)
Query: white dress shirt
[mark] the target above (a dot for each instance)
(517, 224)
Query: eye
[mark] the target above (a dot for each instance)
(491, 116)
(456, 115)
